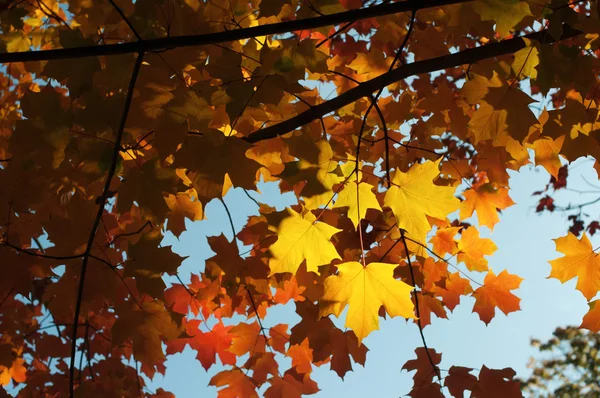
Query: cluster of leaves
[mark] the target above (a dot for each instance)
(122, 119)
(572, 367)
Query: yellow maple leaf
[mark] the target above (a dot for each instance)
(505, 13)
(413, 197)
(477, 87)
(526, 59)
(358, 198)
(182, 206)
(17, 42)
(503, 112)
(325, 174)
(299, 238)
(547, 153)
(365, 290)
(579, 261)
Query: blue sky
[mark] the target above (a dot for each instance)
(524, 240)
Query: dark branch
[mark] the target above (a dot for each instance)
(167, 43)
(41, 255)
(365, 89)
(130, 233)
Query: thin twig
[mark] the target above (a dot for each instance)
(415, 292)
(444, 260)
(251, 198)
(41, 255)
(118, 236)
(118, 9)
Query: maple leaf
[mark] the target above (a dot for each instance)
(151, 183)
(497, 383)
(145, 326)
(443, 242)
(344, 346)
(262, 365)
(290, 291)
(15, 372)
(413, 196)
(485, 200)
(547, 153)
(505, 13)
(430, 305)
(504, 111)
(459, 380)
(495, 292)
(149, 262)
(454, 287)
(472, 249)
(364, 290)
(291, 385)
(358, 198)
(279, 337)
(426, 366)
(580, 261)
(318, 174)
(206, 156)
(526, 59)
(591, 320)
(302, 357)
(300, 237)
(228, 264)
(236, 384)
(182, 206)
(207, 344)
(246, 338)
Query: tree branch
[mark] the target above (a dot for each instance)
(167, 43)
(365, 89)
(41, 255)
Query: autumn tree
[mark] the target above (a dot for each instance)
(569, 365)
(121, 119)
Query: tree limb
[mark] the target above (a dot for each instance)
(365, 89)
(167, 43)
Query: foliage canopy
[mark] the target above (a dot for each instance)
(121, 119)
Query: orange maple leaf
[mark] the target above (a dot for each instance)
(580, 261)
(486, 200)
(591, 320)
(495, 292)
(207, 344)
